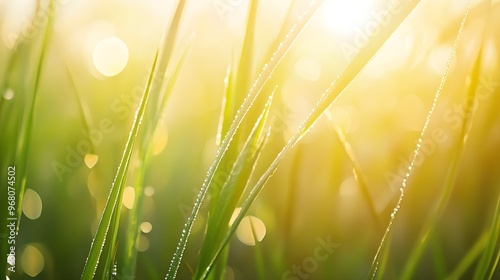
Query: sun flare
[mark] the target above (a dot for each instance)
(344, 16)
(110, 56)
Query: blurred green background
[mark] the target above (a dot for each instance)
(97, 63)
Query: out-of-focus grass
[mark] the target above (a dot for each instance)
(339, 185)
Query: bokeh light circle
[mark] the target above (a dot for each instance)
(110, 56)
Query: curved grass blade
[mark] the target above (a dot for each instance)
(254, 91)
(331, 94)
(115, 194)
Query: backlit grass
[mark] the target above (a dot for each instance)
(250, 139)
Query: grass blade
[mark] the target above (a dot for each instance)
(330, 95)
(234, 88)
(145, 155)
(230, 194)
(451, 177)
(27, 128)
(417, 149)
(358, 175)
(115, 195)
(254, 91)
(18, 44)
(487, 264)
(25, 118)
(470, 257)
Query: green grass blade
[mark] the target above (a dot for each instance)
(451, 176)
(359, 176)
(161, 89)
(469, 257)
(233, 97)
(384, 261)
(488, 262)
(438, 259)
(244, 71)
(117, 186)
(254, 91)
(230, 194)
(494, 265)
(145, 156)
(26, 118)
(27, 128)
(336, 88)
(82, 106)
(259, 256)
(18, 44)
(226, 105)
(417, 148)
(361, 59)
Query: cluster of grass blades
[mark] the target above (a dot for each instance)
(330, 95)
(245, 127)
(17, 152)
(107, 231)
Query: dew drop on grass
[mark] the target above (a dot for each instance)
(115, 269)
(416, 151)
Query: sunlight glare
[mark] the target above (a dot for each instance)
(249, 229)
(8, 94)
(128, 197)
(142, 243)
(32, 204)
(146, 227)
(110, 56)
(90, 160)
(344, 16)
(32, 261)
